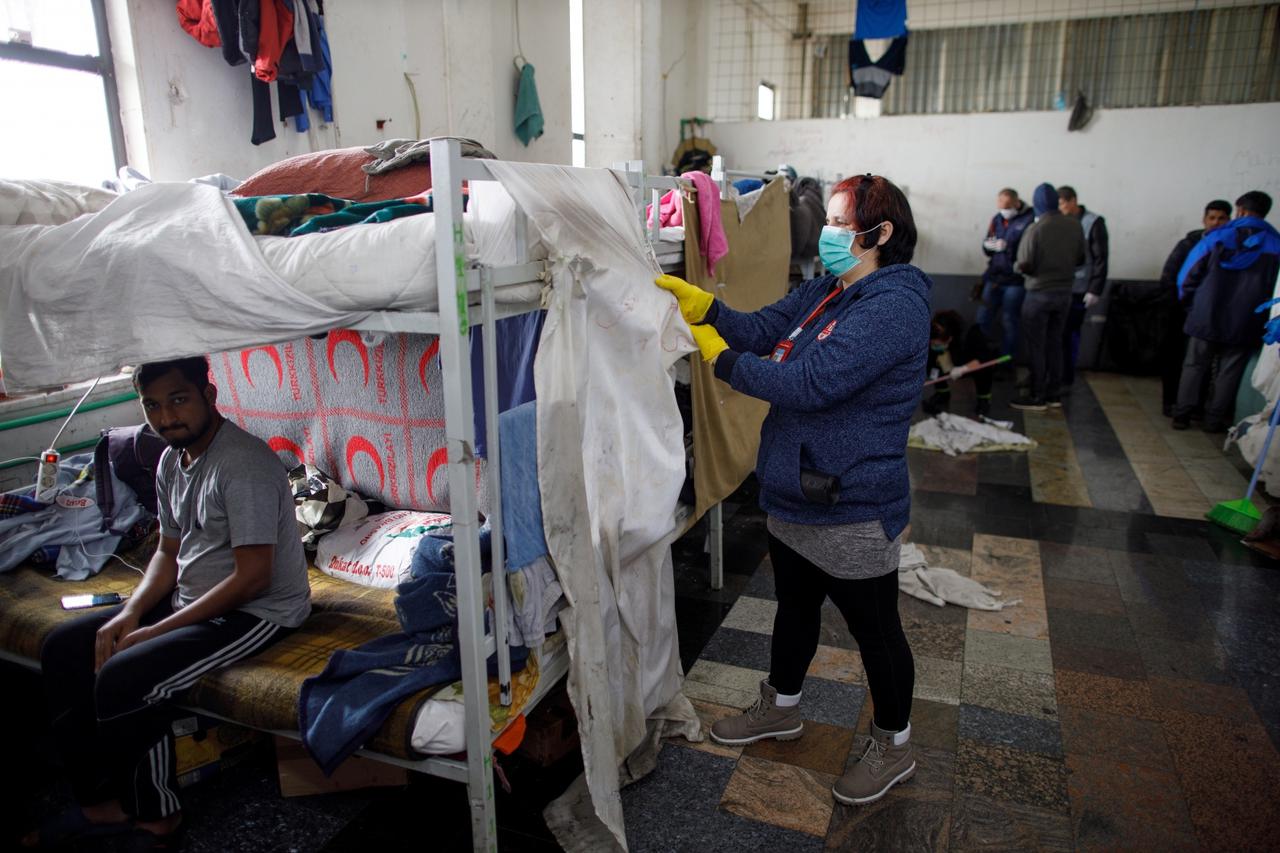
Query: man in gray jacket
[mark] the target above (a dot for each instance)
(1050, 251)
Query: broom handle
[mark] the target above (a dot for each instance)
(1266, 445)
(1001, 360)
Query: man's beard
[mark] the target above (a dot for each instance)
(186, 436)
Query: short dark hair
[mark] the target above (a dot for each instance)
(947, 324)
(1219, 204)
(874, 199)
(1256, 202)
(194, 369)
(1010, 192)
(1068, 192)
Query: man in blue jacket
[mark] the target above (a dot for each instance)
(1230, 272)
(1002, 285)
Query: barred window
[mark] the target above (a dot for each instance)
(1223, 55)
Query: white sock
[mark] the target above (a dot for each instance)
(782, 700)
(899, 738)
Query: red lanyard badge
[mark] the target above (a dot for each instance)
(782, 348)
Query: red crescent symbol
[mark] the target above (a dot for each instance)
(432, 349)
(280, 444)
(275, 359)
(440, 457)
(359, 444)
(339, 336)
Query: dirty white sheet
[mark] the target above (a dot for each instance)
(48, 202)
(170, 270)
(611, 463)
(953, 435)
(942, 586)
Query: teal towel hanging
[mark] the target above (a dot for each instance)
(528, 117)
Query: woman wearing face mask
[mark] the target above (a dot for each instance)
(841, 360)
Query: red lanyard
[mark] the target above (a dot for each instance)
(783, 348)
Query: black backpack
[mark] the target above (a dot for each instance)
(133, 454)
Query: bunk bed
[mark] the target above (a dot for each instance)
(753, 274)
(449, 290)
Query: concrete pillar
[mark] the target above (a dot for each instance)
(611, 59)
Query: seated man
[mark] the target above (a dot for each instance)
(228, 579)
(955, 352)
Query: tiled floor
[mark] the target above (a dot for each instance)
(1131, 701)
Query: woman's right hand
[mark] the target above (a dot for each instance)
(694, 301)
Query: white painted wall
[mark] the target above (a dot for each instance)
(1148, 171)
(188, 113)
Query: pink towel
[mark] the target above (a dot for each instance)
(711, 232)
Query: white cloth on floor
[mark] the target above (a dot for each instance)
(944, 586)
(610, 464)
(953, 435)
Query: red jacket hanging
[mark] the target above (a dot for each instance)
(196, 17)
(275, 30)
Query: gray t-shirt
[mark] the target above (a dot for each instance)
(851, 551)
(235, 493)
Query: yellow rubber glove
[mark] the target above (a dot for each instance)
(694, 301)
(709, 341)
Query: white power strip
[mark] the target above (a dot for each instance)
(47, 476)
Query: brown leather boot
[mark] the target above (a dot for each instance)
(881, 766)
(762, 720)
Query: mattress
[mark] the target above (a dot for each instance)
(170, 270)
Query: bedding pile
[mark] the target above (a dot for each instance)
(170, 269)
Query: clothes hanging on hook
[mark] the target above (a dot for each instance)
(528, 115)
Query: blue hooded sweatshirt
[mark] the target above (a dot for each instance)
(841, 403)
(1228, 274)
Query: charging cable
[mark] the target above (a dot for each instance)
(47, 475)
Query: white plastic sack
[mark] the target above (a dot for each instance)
(378, 551)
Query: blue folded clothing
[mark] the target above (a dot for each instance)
(342, 707)
(521, 497)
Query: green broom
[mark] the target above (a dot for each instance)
(1242, 516)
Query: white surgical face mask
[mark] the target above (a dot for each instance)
(1007, 213)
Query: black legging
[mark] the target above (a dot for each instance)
(870, 606)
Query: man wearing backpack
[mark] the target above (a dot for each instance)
(228, 579)
(1230, 272)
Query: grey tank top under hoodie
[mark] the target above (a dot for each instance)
(848, 551)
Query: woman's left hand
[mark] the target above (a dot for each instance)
(708, 341)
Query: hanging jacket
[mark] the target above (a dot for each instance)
(197, 18)
(1000, 266)
(1091, 277)
(275, 30)
(871, 79)
(1230, 272)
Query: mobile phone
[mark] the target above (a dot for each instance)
(79, 602)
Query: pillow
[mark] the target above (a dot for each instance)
(337, 173)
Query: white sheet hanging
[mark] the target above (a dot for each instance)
(611, 463)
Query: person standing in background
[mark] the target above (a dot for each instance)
(1173, 348)
(1048, 255)
(1229, 273)
(1002, 285)
(1090, 280)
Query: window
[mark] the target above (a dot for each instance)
(1206, 56)
(764, 101)
(577, 89)
(61, 106)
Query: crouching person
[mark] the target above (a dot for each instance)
(228, 579)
